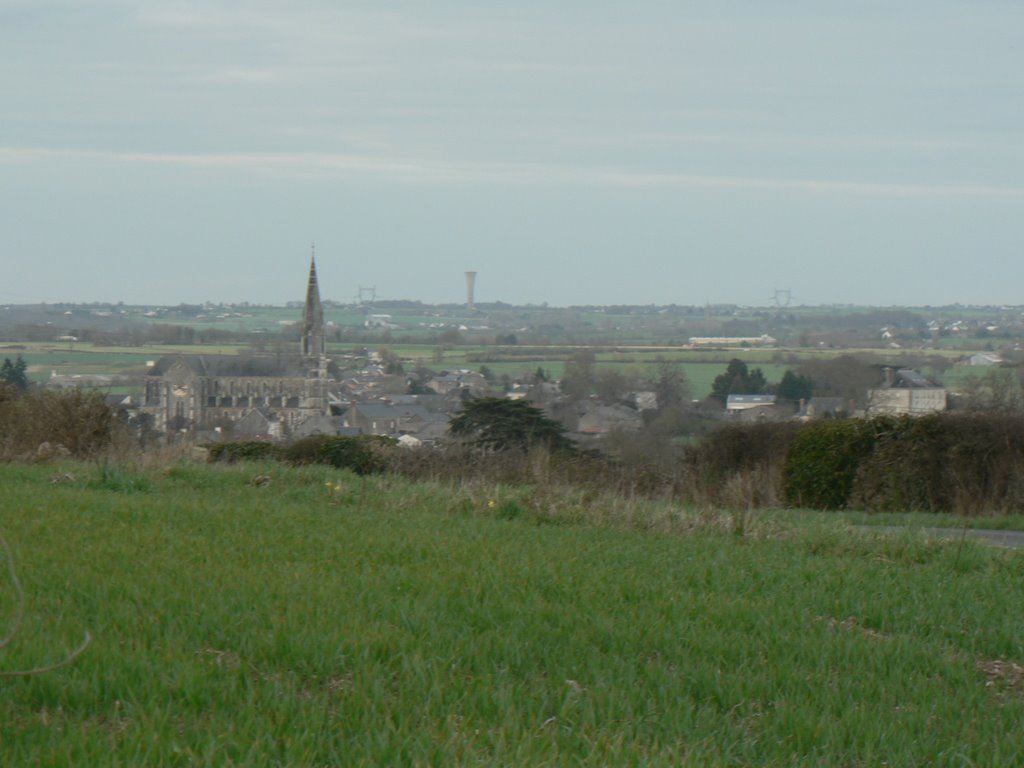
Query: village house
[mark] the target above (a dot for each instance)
(449, 382)
(599, 420)
(982, 360)
(392, 420)
(751, 407)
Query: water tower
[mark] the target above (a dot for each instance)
(470, 287)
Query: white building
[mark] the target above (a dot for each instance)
(906, 392)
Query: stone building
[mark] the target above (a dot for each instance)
(906, 391)
(192, 393)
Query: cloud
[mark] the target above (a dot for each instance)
(298, 165)
(250, 75)
(837, 186)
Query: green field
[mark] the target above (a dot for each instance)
(700, 366)
(377, 622)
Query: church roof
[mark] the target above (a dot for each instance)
(232, 365)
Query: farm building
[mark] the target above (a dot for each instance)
(906, 392)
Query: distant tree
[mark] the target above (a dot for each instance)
(578, 379)
(794, 386)
(842, 376)
(671, 386)
(14, 373)
(739, 380)
(611, 386)
(999, 390)
(392, 362)
(417, 387)
(487, 373)
(498, 424)
(506, 339)
(756, 383)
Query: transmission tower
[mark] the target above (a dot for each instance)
(782, 297)
(366, 295)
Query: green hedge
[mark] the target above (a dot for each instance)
(943, 462)
(243, 450)
(823, 460)
(967, 463)
(362, 454)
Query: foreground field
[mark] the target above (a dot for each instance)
(286, 622)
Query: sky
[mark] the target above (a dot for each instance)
(570, 152)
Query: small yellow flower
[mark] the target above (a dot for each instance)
(337, 487)
(491, 504)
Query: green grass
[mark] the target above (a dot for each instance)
(388, 623)
(94, 359)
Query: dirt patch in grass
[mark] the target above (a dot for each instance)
(1006, 675)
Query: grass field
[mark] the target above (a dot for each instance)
(378, 622)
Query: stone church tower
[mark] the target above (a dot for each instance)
(314, 346)
(194, 393)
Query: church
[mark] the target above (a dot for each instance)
(196, 393)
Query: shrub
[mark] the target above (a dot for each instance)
(739, 447)
(243, 450)
(362, 454)
(740, 450)
(79, 421)
(901, 472)
(823, 460)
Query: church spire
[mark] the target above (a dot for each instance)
(313, 337)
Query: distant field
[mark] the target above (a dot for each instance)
(700, 366)
(43, 359)
(383, 623)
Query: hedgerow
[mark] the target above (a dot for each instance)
(243, 450)
(967, 463)
(822, 463)
(964, 463)
(363, 454)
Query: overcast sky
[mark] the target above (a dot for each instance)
(570, 152)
